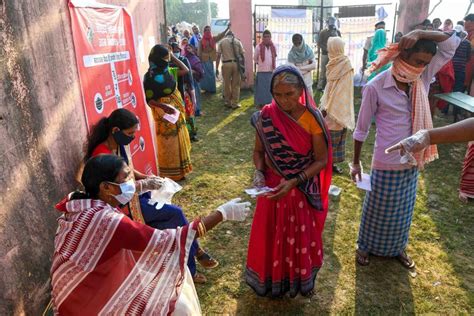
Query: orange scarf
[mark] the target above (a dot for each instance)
(421, 114)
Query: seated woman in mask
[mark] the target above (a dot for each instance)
(105, 263)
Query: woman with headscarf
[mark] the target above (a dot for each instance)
(184, 43)
(162, 95)
(198, 73)
(106, 264)
(378, 42)
(292, 155)
(265, 59)
(302, 57)
(337, 102)
(207, 52)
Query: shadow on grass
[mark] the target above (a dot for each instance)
(383, 286)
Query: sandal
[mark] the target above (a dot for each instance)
(205, 260)
(362, 258)
(405, 260)
(199, 278)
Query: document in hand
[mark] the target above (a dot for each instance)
(172, 118)
(364, 184)
(253, 192)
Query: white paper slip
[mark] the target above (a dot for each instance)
(258, 191)
(172, 118)
(364, 184)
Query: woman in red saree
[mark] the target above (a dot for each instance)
(293, 155)
(106, 264)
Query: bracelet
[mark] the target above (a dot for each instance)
(301, 177)
(201, 228)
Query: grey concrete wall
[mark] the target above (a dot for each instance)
(42, 129)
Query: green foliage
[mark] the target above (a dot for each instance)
(214, 10)
(197, 12)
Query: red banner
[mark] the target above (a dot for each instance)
(108, 71)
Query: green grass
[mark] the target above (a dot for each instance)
(441, 239)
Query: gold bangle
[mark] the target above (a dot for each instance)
(203, 228)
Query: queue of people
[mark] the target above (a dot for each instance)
(122, 253)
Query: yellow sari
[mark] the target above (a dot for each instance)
(173, 142)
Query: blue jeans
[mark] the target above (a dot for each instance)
(168, 217)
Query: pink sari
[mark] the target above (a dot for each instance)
(285, 248)
(104, 263)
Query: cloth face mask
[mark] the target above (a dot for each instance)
(122, 139)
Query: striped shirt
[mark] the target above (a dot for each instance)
(391, 107)
(461, 57)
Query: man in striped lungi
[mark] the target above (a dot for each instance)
(398, 100)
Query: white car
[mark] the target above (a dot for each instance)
(219, 25)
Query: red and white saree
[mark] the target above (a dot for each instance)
(104, 263)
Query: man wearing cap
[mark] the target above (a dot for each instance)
(368, 43)
(330, 31)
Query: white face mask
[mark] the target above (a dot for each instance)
(128, 190)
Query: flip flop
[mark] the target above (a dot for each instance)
(405, 260)
(362, 258)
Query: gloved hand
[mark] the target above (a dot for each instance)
(148, 184)
(258, 179)
(416, 142)
(234, 210)
(355, 171)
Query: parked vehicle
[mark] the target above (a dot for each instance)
(219, 25)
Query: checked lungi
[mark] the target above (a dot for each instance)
(387, 212)
(338, 140)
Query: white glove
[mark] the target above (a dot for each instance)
(355, 170)
(416, 142)
(149, 184)
(234, 210)
(258, 179)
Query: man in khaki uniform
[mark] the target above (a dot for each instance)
(230, 68)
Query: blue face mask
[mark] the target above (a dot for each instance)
(177, 54)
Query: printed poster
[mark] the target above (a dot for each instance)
(108, 71)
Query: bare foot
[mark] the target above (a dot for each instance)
(463, 198)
